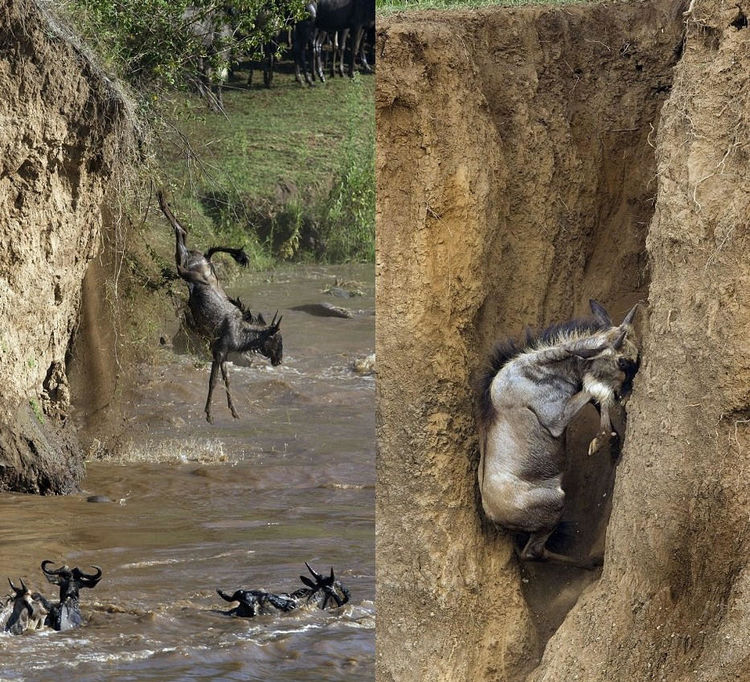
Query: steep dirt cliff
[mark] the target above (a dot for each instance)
(674, 599)
(63, 129)
(517, 178)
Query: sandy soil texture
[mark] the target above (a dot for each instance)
(529, 159)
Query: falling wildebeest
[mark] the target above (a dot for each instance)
(528, 397)
(325, 591)
(217, 317)
(22, 611)
(66, 613)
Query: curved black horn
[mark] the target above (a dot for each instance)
(309, 583)
(225, 596)
(12, 586)
(92, 577)
(57, 571)
(313, 572)
(23, 586)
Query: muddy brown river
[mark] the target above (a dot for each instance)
(240, 503)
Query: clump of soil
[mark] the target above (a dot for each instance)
(516, 179)
(64, 129)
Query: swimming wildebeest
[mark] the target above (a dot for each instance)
(217, 317)
(66, 613)
(528, 397)
(324, 592)
(22, 611)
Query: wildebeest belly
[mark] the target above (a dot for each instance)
(209, 309)
(521, 471)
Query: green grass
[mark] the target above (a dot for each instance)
(387, 6)
(288, 171)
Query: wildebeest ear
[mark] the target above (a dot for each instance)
(588, 353)
(308, 582)
(600, 313)
(261, 320)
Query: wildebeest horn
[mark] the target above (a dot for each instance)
(225, 596)
(23, 586)
(313, 572)
(56, 571)
(92, 577)
(308, 582)
(12, 586)
(630, 316)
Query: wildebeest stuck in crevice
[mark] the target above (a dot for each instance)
(528, 398)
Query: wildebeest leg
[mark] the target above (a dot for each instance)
(574, 405)
(318, 40)
(363, 55)
(356, 39)
(225, 376)
(302, 34)
(536, 551)
(605, 429)
(340, 48)
(211, 383)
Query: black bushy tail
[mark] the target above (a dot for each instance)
(239, 255)
(501, 354)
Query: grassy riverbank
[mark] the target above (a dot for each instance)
(286, 171)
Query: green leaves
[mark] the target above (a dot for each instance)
(161, 41)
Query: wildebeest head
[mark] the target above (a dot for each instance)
(612, 355)
(325, 591)
(256, 602)
(249, 606)
(70, 580)
(273, 347)
(27, 613)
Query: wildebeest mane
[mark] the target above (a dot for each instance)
(506, 350)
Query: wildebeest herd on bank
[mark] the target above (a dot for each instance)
(23, 611)
(332, 32)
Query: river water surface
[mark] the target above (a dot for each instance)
(237, 504)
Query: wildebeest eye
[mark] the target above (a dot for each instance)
(624, 364)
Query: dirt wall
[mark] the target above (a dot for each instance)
(516, 179)
(63, 130)
(672, 602)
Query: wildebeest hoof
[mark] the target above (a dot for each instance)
(595, 445)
